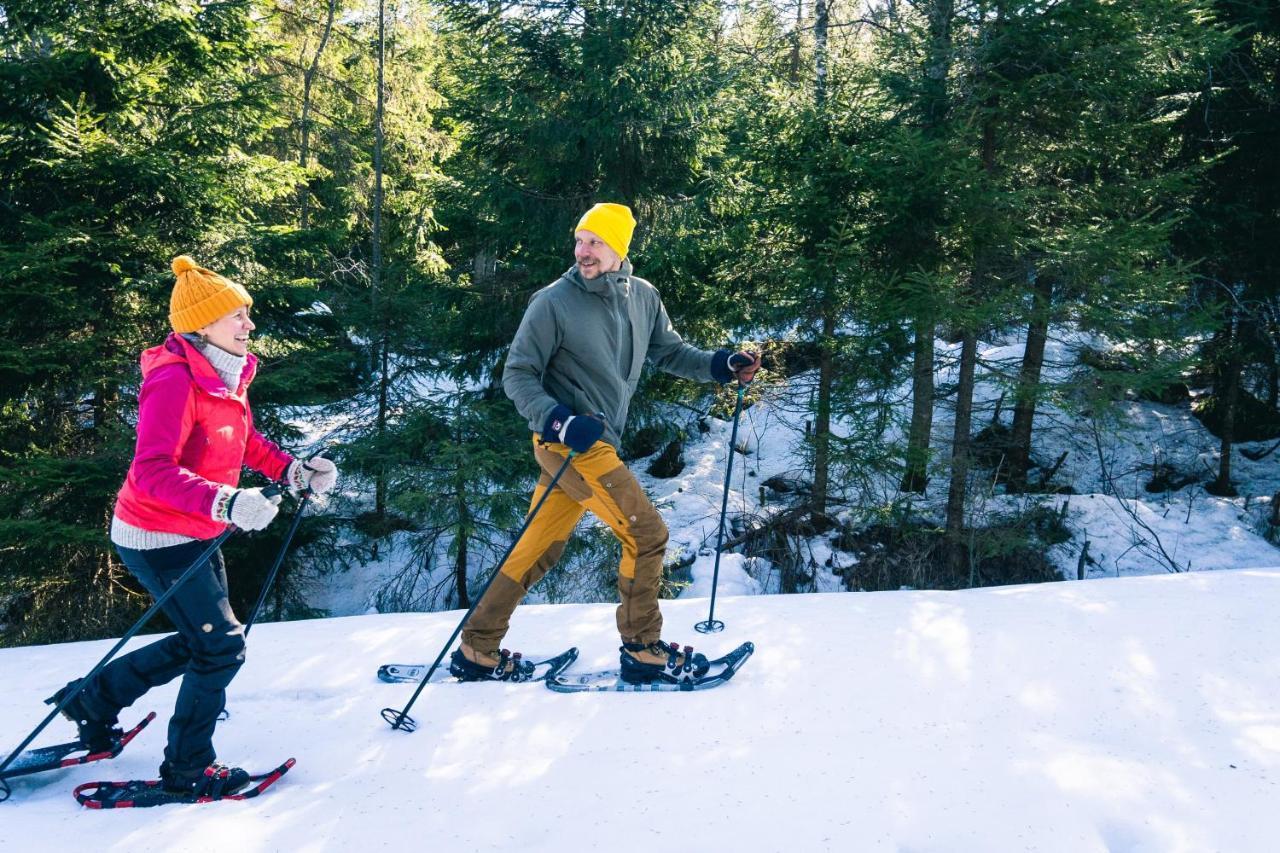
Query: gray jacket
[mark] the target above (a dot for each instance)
(582, 343)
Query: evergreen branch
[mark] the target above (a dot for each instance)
(346, 87)
(290, 13)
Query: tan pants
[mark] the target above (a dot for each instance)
(598, 481)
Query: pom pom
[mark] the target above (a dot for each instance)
(182, 263)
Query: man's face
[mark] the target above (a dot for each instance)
(594, 256)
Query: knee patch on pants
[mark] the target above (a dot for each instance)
(638, 520)
(216, 651)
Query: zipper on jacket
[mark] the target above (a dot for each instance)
(623, 375)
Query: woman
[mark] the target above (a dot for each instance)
(195, 432)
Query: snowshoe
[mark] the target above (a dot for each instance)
(65, 755)
(510, 667)
(215, 781)
(213, 787)
(412, 673)
(718, 673)
(677, 667)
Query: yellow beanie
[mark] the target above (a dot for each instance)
(613, 222)
(201, 296)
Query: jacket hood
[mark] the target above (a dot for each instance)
(177, 350)
(602, 283)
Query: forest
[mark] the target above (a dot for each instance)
(864, 190)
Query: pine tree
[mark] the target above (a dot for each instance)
(125, 132)
(803, 206)
(1025, 128)
(556, 107)
(1234, 122)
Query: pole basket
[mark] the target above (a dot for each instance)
(399, 720)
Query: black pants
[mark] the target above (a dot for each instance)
(207, 651)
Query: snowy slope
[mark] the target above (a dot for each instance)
(1120, 714)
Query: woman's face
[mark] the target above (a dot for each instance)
(230, 332)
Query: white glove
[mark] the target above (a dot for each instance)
(318, 474)
(248, 509)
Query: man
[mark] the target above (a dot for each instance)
(571, 371)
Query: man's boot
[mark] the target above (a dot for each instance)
(466, 664)
(658, 661)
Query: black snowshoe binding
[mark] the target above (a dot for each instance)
(213, 782)
(96, 735)
(681, 665)
(510, 667)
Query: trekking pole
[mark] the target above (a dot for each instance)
(713, 625)
(223, 713)
(401, 719)
(275, 568)
(270, 491)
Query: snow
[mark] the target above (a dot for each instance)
(1130, 531)
(1137, 710)
(1109, 460)
(1135, 714)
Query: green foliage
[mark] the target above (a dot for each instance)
(128, 132)
(1256, 421)
(897, 551)
(1231, 123)
(560, 106)
(843, 189)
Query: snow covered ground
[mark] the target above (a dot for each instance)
(1131, 714)
(1138, 710)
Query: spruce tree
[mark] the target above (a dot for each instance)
(1233, 122)
(125, 134)
(556, 107)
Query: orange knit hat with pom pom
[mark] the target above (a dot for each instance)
(201, 296)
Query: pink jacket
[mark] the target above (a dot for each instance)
(193, 436)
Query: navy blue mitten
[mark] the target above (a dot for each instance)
(578, 432)
(742, 366)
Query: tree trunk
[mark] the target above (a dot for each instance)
(820, 53)
(933, 108)
(1228, 394)
(937, 65)
(1024, 410)
(1228, 402)
(795, 42)
(304, 148)
(978, 282)
(918, 438)
(826, 358)
(460, 561)
(1273, 383)
(822, 418)
(960, 441)
(375, 272)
